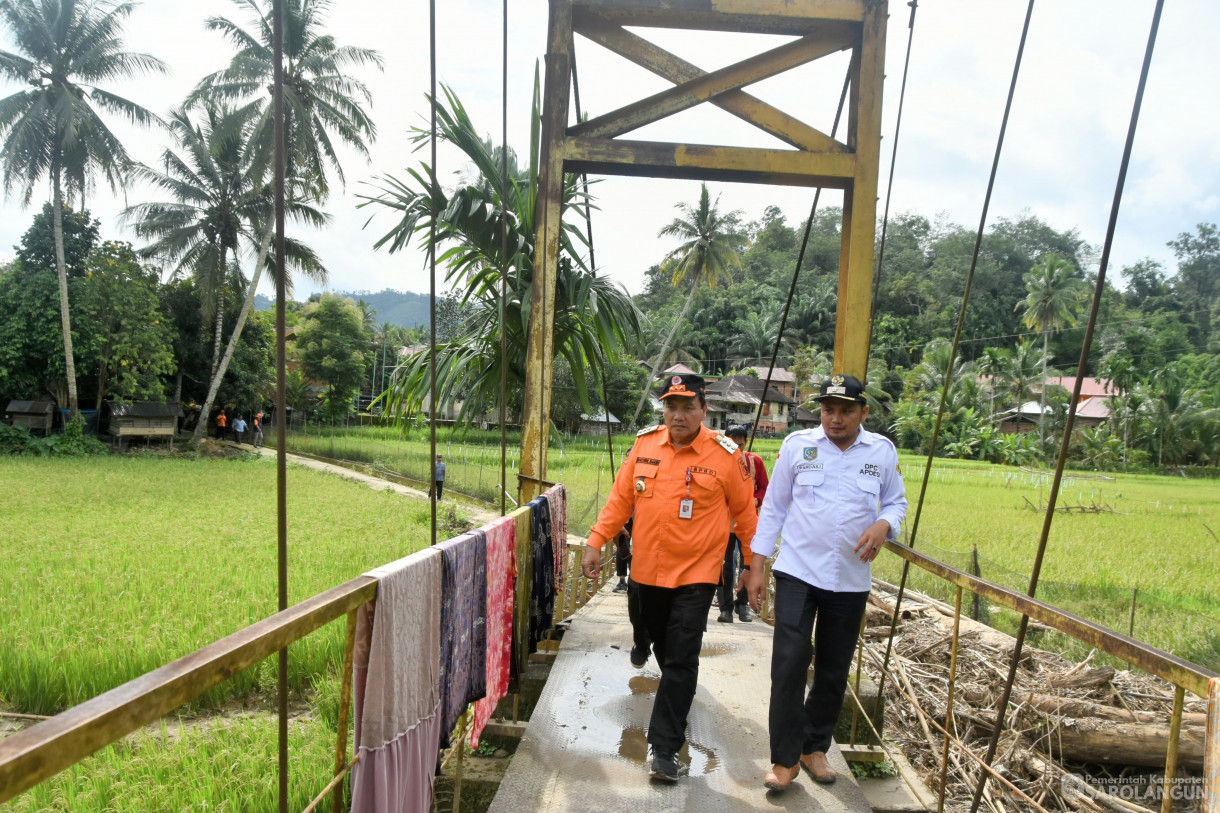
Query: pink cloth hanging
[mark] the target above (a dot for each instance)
(558, 497)
(501, 585)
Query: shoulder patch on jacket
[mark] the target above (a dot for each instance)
(726, 444)
(647, 430)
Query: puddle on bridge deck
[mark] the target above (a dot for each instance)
(717, 648)
(697, 759)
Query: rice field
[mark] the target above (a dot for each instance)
(115, 566)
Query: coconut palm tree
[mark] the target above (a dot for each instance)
(1053, 299)
(52, 128)
(322, 101)
(705, 257)
(594, 317)
(218, 209)
(755, 338)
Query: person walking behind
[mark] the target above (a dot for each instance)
(239, 428)
(836, 495)
(622, 557)
(685, 485)
(222, 425)
(438, 476)
(257, 439)
(733, 559)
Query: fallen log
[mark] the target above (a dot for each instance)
(1114, 743)
(1082, 679)
(1087, 709)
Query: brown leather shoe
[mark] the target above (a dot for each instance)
(779, 778)
(818, 767)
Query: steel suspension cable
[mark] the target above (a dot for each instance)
(1081, 369)
(434, 191)
(281, 363)
(584, 183)
(889, 187)
(504, 269)
(912, 537)
(796, 272)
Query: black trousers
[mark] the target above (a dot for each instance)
(803, 724)
(622, 557)
(674, 618)
(440, 488)
(728, 577)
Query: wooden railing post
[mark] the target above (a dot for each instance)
(949, 725)
(345, 702)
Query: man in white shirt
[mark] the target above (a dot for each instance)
(836, 494)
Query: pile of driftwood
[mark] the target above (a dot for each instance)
(1065, 719)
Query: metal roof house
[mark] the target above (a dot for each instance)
(140, 419)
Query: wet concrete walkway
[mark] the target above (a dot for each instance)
(585, 748)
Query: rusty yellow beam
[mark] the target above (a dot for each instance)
(797, 17)
(540, 349)
(617, 39)
(745, 164)
(1165, 665)
(853, 323)
(708, 86)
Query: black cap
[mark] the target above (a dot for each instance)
(736, 431)
(844, 387)
(687, 385)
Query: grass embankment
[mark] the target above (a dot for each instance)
(1152, 533)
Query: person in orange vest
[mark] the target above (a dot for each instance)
(257, 439)
(686, 485)
(222, 423)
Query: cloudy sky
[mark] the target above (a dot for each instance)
(1061, 156)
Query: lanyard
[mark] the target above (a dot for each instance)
(688, 481)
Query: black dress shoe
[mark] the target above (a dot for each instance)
(726, 617)
(639, 656)
(743, 612)
(621, 587)
(664, 766)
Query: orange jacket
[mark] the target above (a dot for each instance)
(221, 420)
(668, 551)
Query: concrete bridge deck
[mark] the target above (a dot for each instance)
(585, 750)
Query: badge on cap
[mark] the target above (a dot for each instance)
(676, 380)
(811, 452)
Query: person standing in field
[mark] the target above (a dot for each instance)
(733, 558)
(438, 476)
(685, 485)
(257, 439)
(222, 423)
(239, 428)
(836, 495)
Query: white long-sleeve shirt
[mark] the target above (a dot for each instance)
(821, 499)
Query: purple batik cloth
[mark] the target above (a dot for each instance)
(463, 626)
(542, 592)
(397, 688)
(501, 584)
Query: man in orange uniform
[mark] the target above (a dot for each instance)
(685, 485)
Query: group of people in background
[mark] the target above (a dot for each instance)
(835, 496)
(240, 426)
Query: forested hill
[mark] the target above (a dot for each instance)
(401, 308)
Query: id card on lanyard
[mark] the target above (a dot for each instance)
(686, 508)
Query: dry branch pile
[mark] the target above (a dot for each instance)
(1063, 718)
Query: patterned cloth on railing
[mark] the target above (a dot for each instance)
(542, 595)
(525, 585)
(558, 496)
(463, 672)
(397, 688)
(501, 582)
